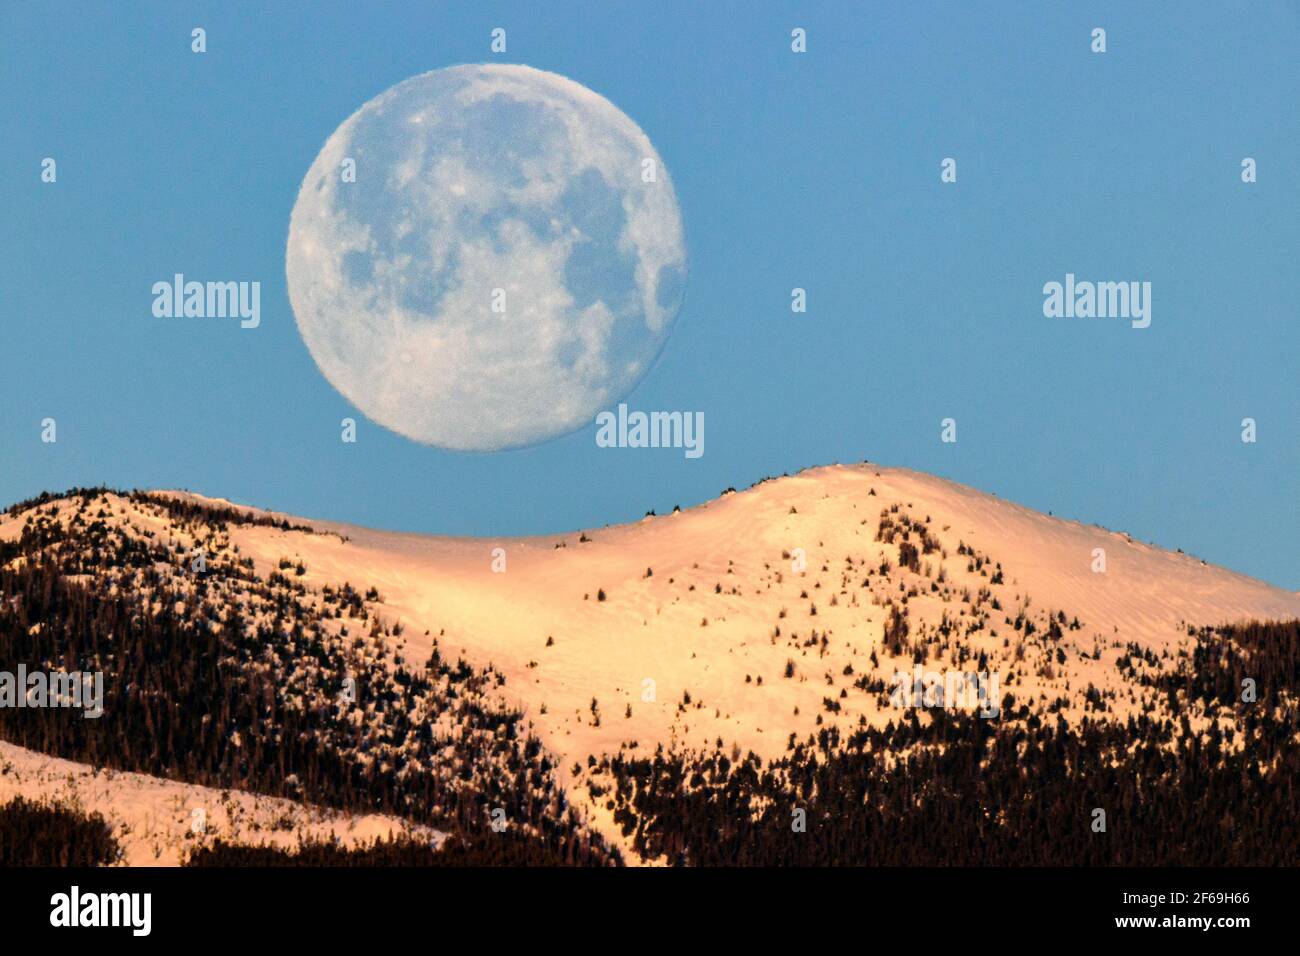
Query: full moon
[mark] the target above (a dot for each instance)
(483, 257)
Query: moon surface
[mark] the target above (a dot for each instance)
(483, 257)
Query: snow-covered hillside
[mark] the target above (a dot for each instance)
(760, 618)
(722, 581)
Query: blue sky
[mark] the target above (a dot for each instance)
(818, 170)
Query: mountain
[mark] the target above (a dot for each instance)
(717, 685)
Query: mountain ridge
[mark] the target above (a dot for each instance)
(760, 623)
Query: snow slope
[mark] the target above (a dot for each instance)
(759, 615)
(154, 820)
(722, 563)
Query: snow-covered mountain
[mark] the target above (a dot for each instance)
(746, 626)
